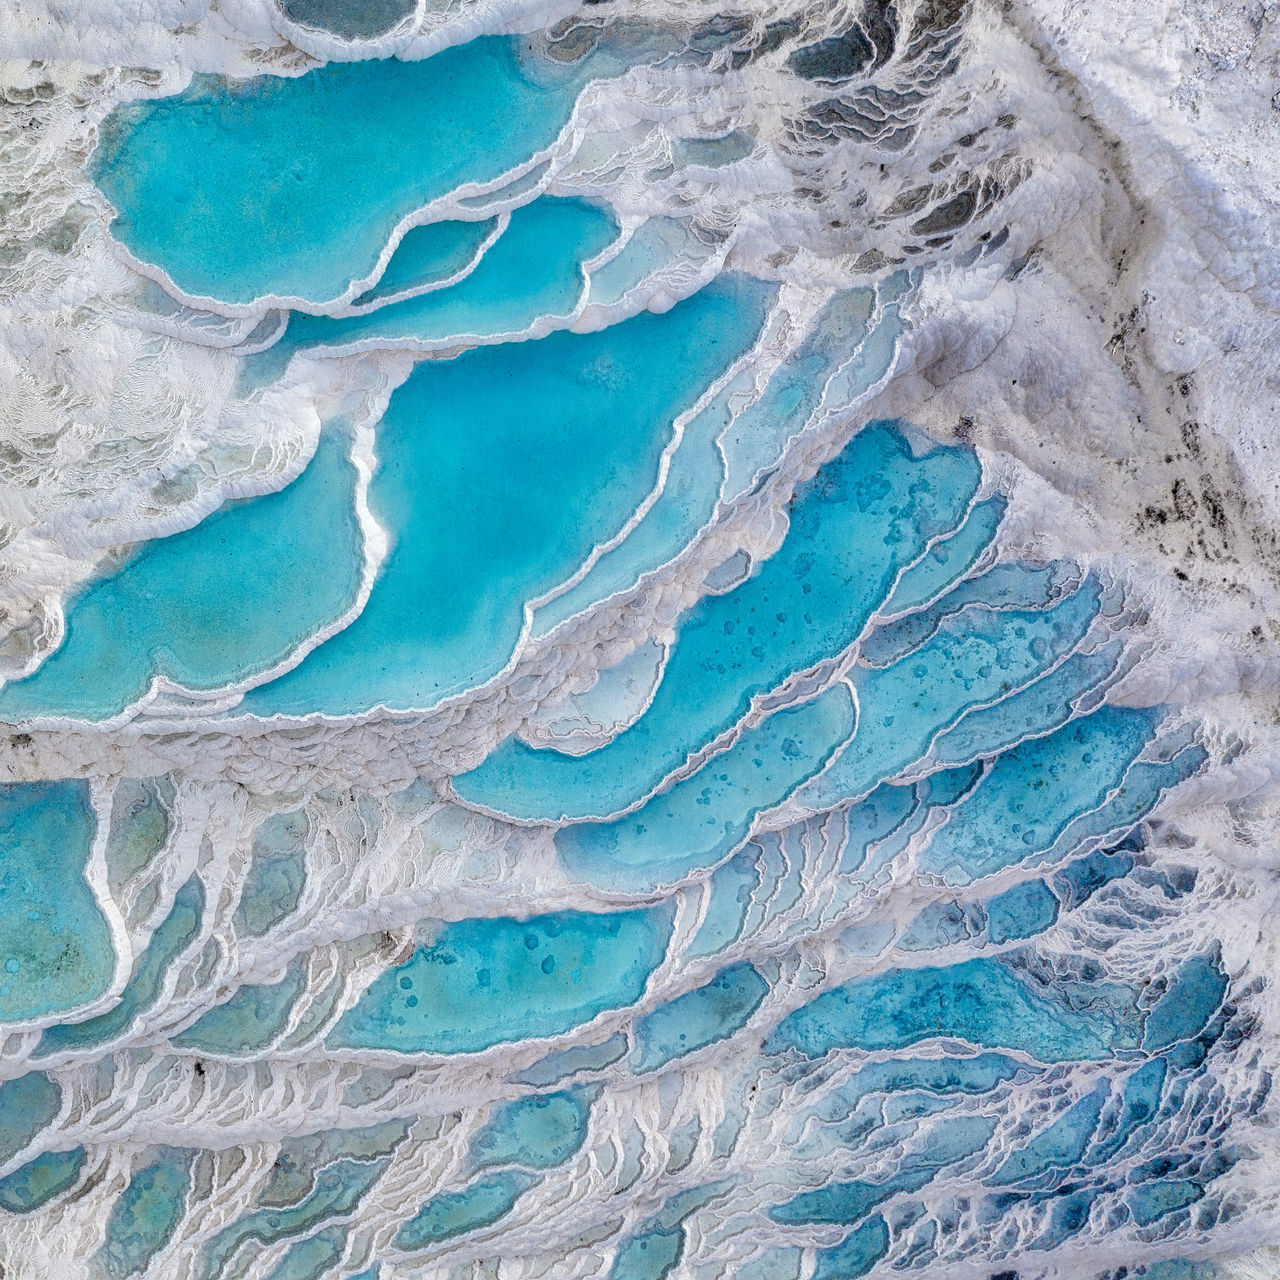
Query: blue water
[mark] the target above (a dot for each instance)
(1079, 880)
(1195, 992)
(427, 256)
(1021, 912)
(852, 529)
(1152, 1200)
(1025, 910)
(1060, 1145)
(1179, 1269)
(216, 604)
(539, 1132)
(146, 1213)
(884, 811)
(650, 1256)
(27, 1104)
(1042, 706)
(1140, 1103)
(981, 1001)
(976, 658)
(682, 1144)
(250, 1020)
(457, 1212)
(698, 1018)
(579, 1057)
(701, 819)
(715, 442)
(514, 191)
(140, 826)
(55, 946)
(486, 981)
(950, 558)
(954, 745)
(773, 1264)
(731, 885)
(534, 270)
(36, 1183)
(294, 1170)
(656, 243)
(976, 1075)
(871, 862)
(311, 1258)
(580, 422)
(654, 1250)
(860, 1250)
(277, 873)
(1141, 788)
(685, 505)
(339, 1188)
(754, 438)
(1031, 792)
(1006, 586)
(950, 1142)
(698, 478)
(171, 937)
(946, 787)
(270, 186)
(1060, 1150)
